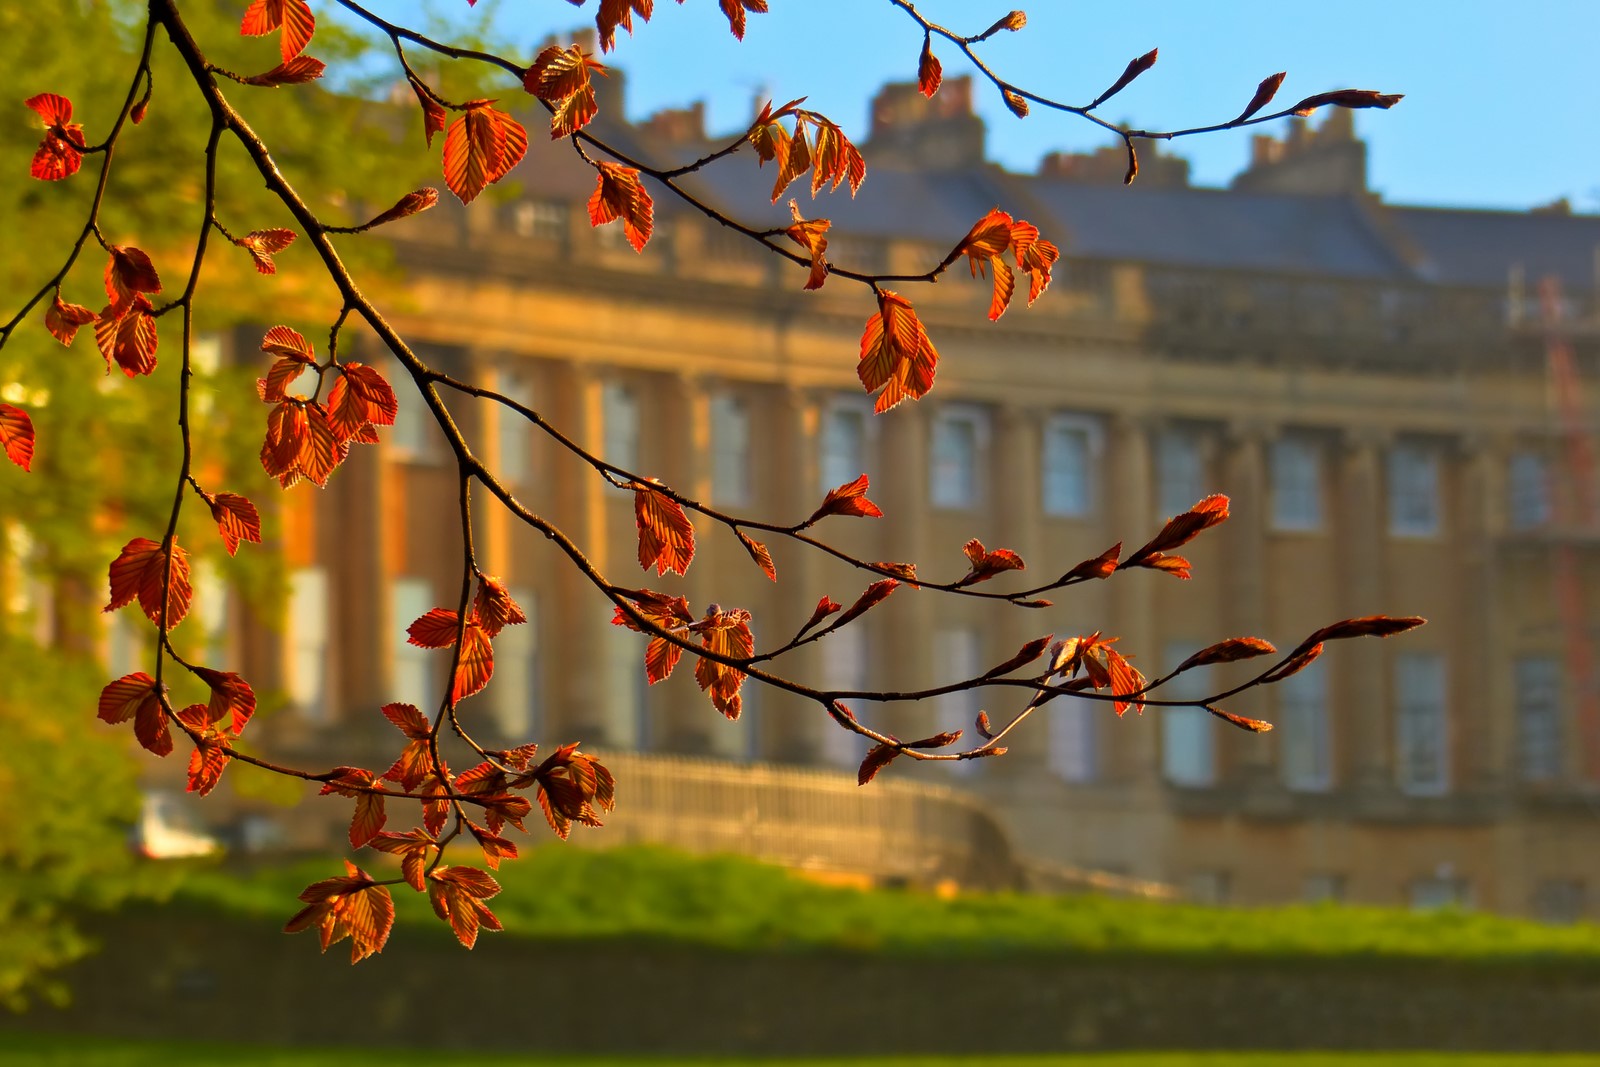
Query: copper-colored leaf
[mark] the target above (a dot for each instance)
(1025, 655)
(297, 71)
(847, 499)
(126, 335)
(1263, 95)
(810, 234)
(1255, 726)
(879, 757)
(140, 570)
(480, 148)
(293, 17)
(1230, 651)
(1181, 529)
(412, 203)
(494, 607)
(666, 536)
(261, 244)
(1352, 98)
(436, 629)
(1127, 684)
(1297, 662)
(759, 553)
(619, 195)
(63, 319)
(873, 595)
(825, 607)
(1100, 566)
(987, 564)
(896, 354)
(930, 74)
(726, 633)
(136, 696)
(735, 12)
(476, 665)
(1134, 68)
(60, 154)
(129, 272)
(16, 435)
(434, 116)
(231, 699)
(1366, 626)
(236, 519)
(457, 895)
(353, 907)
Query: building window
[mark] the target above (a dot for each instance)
(959, 654)
(542, 219)
(1296, 470)
(1413, 491)
(843, 442)
(1421, 730)
(1529, 487)
(1180, 471)
(308, 642)
(959, 438)
(844, 668)
(412, 436)
(513, 432)
(1538, 684)
(730, 450)
(1307, 751)
(514, 695)
(1323, 888)
(210, 613)
(1068, 464)
(1559, 900)
(1188, 739)
(1074, 737)
(411, 681)
(620, 415)
(1439, 891)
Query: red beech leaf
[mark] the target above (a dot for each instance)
(1125, 680)
(140, 571)
(735, 12)
(1263, 95)
(1366, 626)
(1025, 655)
(1299, 661)
(351, 907)
(130, 271)
(943, 740)
(930, 74)
(727, 633)
(412, 203)
(236, 519)
(811, 235)
(982, 725)
(136, 696)
(261, 244)
(1255, 726)
(1134, 68)
(477, 663)
(292, 16)
(63, 319)
(231, 699)
(1352, 98)
(1181, 529)
(494, 607)
(1230, 651)
(206, 764)
(618, 195)
(848, 499)
(666, 536)
(16, 435)
(367, 820)
(1100, 566)
(457, 895)
(873, 595)
(283, 341)
(434, 116)
(987, 564)
(480, 148)
(896, 355)
(436, 629)
(60, 154)
(297, 71)
(825, 607)
(408, 720)
(126, 335)
(877, 759)
(759, 553)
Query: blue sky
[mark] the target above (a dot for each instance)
(1500, 109)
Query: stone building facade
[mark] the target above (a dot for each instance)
(1367, 382)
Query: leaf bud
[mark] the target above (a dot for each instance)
(1014, 101)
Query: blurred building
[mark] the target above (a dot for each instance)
(1371, 384)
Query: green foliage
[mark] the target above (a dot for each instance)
(28, 1051)
(64, 828)
(730, 903)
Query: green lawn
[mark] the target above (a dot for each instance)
(30, 1051)
(557, 892)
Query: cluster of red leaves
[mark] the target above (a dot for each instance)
(262, 244)
(985, 246)
(896, 355)
(811, 235)
(213, 726)
(1179, 530)
(986, 564)
(293, 17)
(825, 151)
(618, 14)
(60, 154)
(354, 906)
(721, 632)
(666, 536)
(1092, 662)
(126, 330)
(560, 77)
(304, 438)
(480, 148)
(492, 610)
(618, 195)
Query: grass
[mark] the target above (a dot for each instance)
(651, 894)
(37, 1051)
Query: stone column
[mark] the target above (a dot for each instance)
(1136, 744)
(794, 727)
(683, 717)
(1244, 547)
(1481, 690)
(903, 631)
(1361, 685)
(1015, 478)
